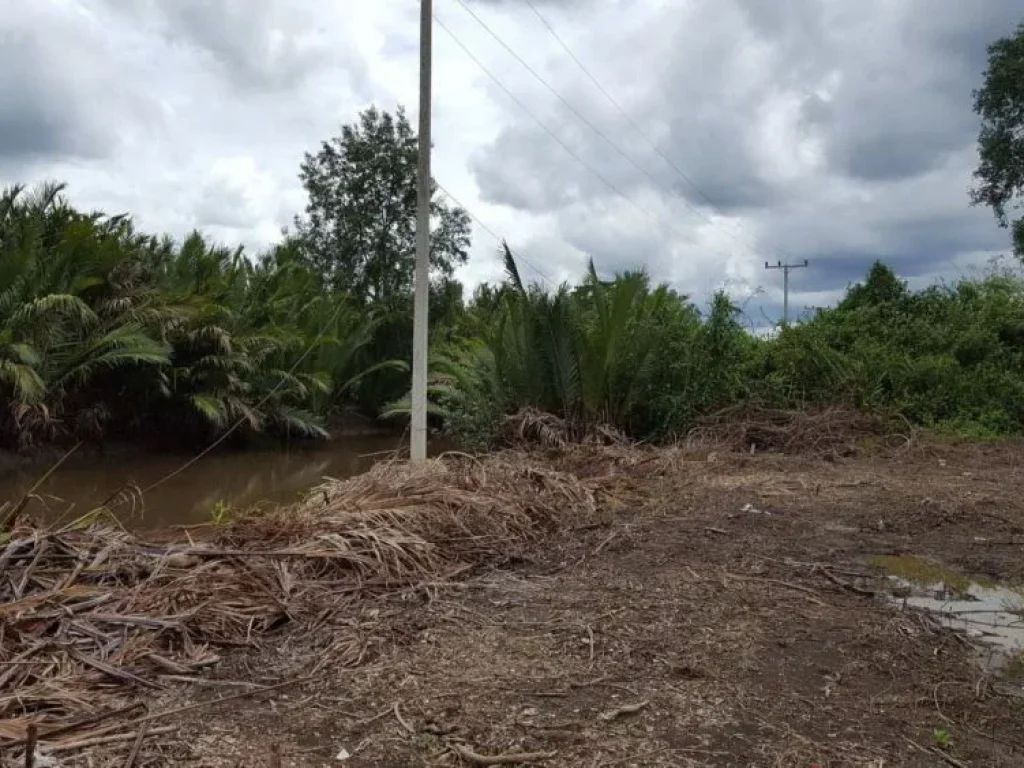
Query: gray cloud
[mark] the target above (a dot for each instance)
(260, 44)
(46, 112)
(902, 75)
(836, 131)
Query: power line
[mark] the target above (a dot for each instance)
(611, 99)
(785, 284)
(241, 420)
(498, 239)
(471, 215)
(611, 185)
(588, 123)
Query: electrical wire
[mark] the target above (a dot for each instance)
(499, 240)
(633, 124)
(231, 430)
(597, 131)
(575, 155)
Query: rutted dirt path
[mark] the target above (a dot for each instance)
(726, 620)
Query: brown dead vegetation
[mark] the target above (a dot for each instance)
(834, 430)
(99, 629)
(91, 616)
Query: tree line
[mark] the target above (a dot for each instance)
(107, 332)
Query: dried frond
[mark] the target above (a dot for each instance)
(835, 430)
(91, 615)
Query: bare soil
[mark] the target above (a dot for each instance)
(723, 615)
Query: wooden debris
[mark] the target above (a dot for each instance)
(625, 709)
(510, 758)
(93, 618)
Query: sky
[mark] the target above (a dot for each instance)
(700, 138)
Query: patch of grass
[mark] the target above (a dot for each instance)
(925, 573)
(1015, 667)
(221, 513)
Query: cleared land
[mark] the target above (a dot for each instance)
(589, 607)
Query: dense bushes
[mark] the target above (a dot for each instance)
(951, 356)
(644, 360)
(106, 332)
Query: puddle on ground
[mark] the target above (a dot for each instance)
(991, 614)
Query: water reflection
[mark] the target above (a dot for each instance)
(233, 478)
(990, 613)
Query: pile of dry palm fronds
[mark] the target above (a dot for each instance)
(835, 430)
(532, 427)
(91, 616)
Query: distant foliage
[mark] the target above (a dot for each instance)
(358, 235)
(107, 332)
(949, 356)
(644, 360)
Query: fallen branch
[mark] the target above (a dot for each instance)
(232, 697)
(625, 709)
(824, 571)
(401, 720)
(137, 746)
(508, 758)
(95, 741)
(779, 583)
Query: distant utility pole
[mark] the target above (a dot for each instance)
(785, 285)
(418, 446)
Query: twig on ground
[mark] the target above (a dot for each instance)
(625, 709)
(822, 569)
(209, 681)
(719, 531)
(30, 746)
(605, 543)
(588, 683)
(949, 759)
(83, 723)
(367, 721)
(137, 746)
(778, 583)
(95, 741)
(401, 720)
(508, 758)
(232, 697)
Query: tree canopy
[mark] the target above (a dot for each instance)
(1000, 103)
(359, 230)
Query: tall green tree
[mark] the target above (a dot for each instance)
(1000, 103)
(359, 229)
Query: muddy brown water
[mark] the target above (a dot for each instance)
(235, 479)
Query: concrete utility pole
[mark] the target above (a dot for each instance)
(418, 447)
(785, 284)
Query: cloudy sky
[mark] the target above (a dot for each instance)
(829, 130)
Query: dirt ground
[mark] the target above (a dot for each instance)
(726, 618)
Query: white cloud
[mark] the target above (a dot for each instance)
(817, 128)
